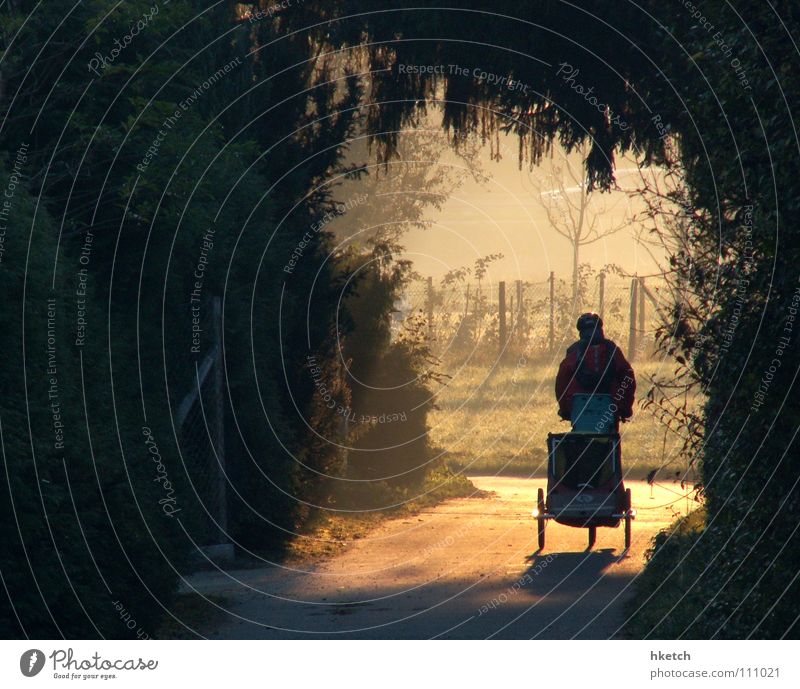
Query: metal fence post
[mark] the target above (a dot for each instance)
(219, 408)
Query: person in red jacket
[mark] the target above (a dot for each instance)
(594, 364)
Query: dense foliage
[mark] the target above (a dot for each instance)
(128, 159)
(193, 158)
(735, 330)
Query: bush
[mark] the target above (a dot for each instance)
(666, 597)
(388, 378)
(85, 535)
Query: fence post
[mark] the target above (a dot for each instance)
(641, 311)
(511, 315)
(430, 308)
(520, 313)
(602, 300)
(552, 311)
(632, 323)
(501, 306)
(219, 403)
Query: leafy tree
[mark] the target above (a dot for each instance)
(386, 200)
(139, 169)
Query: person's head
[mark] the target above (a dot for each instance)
(590, 326)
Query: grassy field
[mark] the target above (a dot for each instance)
(497, 421)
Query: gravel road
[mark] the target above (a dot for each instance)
(464, 569)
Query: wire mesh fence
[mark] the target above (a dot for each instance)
(534, 317)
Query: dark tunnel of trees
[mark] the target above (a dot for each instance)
(219, 135)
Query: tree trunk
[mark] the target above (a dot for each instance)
(575, 305)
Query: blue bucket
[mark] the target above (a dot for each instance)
(593, 413)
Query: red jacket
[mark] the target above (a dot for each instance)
(596, 375)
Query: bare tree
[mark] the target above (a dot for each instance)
(573, 211)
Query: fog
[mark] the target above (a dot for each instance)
(492, 207)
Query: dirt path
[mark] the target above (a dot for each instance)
(465, 569)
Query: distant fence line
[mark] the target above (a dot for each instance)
(535, 317)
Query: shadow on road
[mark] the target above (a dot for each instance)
(558, 596)
(569, 595)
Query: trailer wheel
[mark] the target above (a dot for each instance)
(540, 520)
(592, 537)
(628, 519)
